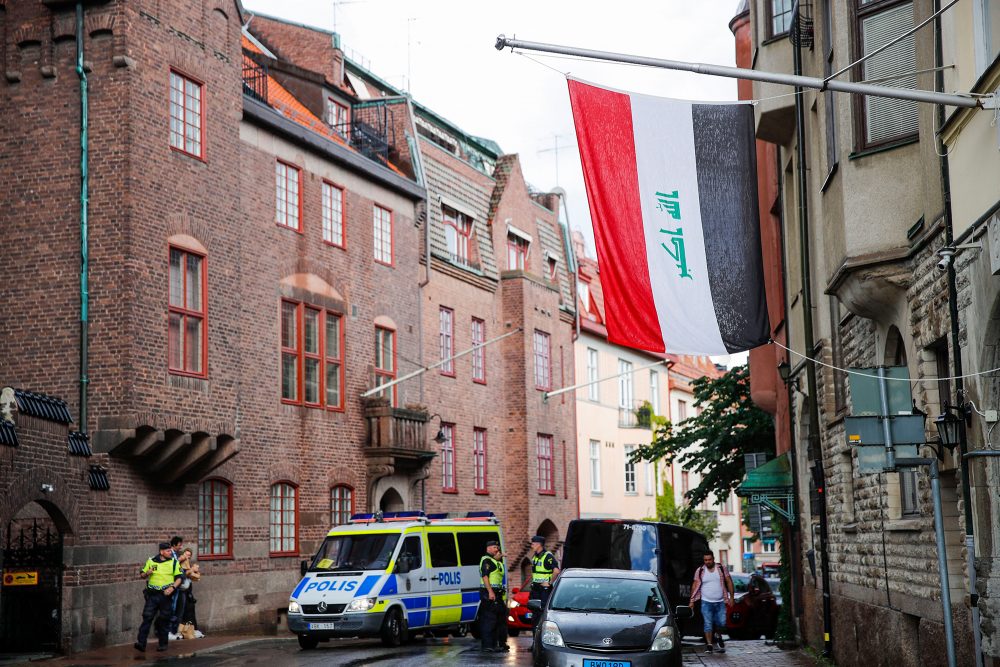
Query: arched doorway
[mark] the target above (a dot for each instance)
(31, 596)
(391, 501)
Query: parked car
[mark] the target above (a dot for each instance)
(756, 607)
(607, 617)
(519, 617)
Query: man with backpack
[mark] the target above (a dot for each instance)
(714, 587)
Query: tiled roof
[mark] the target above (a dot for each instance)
(79, 444)
(98, 478)
(8, 434)
(42, 406)
(501, 174)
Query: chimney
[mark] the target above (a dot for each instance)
(579, 249)
(337, 75)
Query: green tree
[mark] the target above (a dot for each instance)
(667, 510)
(713, 442)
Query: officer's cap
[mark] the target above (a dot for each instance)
(493, 543)
(539, 539)
(164, 545)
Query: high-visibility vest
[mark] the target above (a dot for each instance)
(496, 576)
(163, 573)
(541, 574)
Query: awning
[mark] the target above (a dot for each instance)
(771, 485)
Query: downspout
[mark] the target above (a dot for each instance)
(963, 442)
(84, 231)
(807, 329)
(573, 268)
(418, 174)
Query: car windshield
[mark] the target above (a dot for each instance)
(370, 551)
(607, 595)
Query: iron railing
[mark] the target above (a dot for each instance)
(254, 80)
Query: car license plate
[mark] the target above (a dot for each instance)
(589, 662)
(322, 626)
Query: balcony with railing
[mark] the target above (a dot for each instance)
(395, 436)
(639, 415)
(254, 80)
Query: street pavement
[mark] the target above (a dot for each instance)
(236, 651)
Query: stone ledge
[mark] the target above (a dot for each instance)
(911, 525)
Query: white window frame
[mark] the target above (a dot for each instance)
(594, 388)
(654, 391)
(595, 466)
(630, 481)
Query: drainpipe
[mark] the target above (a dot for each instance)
(963, 442)
(84, 231)
(571, 264)
(807, 329)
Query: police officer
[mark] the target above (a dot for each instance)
(544, 569)
(491, 590)
(163, 578)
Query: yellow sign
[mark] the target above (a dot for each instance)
(20, 578)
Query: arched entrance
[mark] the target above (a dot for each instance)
(391, 501)
(31, 596)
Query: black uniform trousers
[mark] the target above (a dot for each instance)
(492, 617)
(158, 605)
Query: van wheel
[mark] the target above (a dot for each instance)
(307, 643)
(461, 631)
(393, 631)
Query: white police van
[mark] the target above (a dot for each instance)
(386, 575)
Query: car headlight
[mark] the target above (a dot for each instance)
(664, 640)
(551, 635)
(361, 604)
(294, 608)
(513, 604)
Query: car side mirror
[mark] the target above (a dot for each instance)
(683, 612)
(304, 567)
(535, 605)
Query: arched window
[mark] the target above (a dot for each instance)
(284, 519)
(341, 504)
(215, 519)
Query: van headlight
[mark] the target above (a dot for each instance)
(294, 607)
(551, 635)
(361, 604)
(664, 640)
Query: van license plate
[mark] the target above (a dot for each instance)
(322, 626)
(588, 662)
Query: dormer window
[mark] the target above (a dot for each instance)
(518, 244)
(457, 234)
(338, 116)
(551, 266)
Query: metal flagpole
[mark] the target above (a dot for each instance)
(549, 394)
(987, 102)
(424, 369)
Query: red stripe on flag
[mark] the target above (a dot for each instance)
(605, 135)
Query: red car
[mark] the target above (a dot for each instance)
(756, 608)
(519, 617)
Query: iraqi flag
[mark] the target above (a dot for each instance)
(673, 198)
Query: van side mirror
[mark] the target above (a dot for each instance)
(303, 567)
(404, 564)
(535, 605)
(683, 612)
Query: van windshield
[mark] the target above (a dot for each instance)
(612, 544)
(369, 551)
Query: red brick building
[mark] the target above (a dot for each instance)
(255, 229)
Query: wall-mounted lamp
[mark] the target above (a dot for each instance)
(440, 438)
(784, 371)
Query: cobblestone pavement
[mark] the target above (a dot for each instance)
(747, 654)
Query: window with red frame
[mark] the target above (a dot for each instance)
(333, 214)
(385, 361)
(517, 252)
(288, 195)
(457, 234)
(543, 361)
(446, 342)
(312, 356)
(478, 354)
(382, 221)
(546, 474)
(186, 115)
(448, 484)
(284, 519)
(341, 504)
(215, 519)
(187, 348)
(337, 116)
(685, 482)
(553, 266)
(479, 460)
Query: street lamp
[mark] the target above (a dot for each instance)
(948, 427)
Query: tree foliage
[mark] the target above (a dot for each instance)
(713, 442)
(668, 511)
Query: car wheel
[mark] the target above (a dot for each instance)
(307, 643)
(393, 631)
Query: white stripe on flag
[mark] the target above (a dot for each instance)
(665, 156)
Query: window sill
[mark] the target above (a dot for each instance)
(597, 494)
(297, 230)
(216, 557)
(282, 554)
(912, 525)
(482, 382)
(546, 493)
(193, 156)
(775, 38)
(447, 374)
(391, 265)
(450, 491)
(482, 492)
(631, 493)
(875, 150)
(331, 244)
(829, 177)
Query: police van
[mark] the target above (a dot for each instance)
(387, 575)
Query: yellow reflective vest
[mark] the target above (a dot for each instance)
(163, 572)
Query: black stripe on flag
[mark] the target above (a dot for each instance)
(726, 159)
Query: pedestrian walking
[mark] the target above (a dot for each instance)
(163, 577)
(544, 570)
(714, 587)
(180, 600)
(491, 590)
